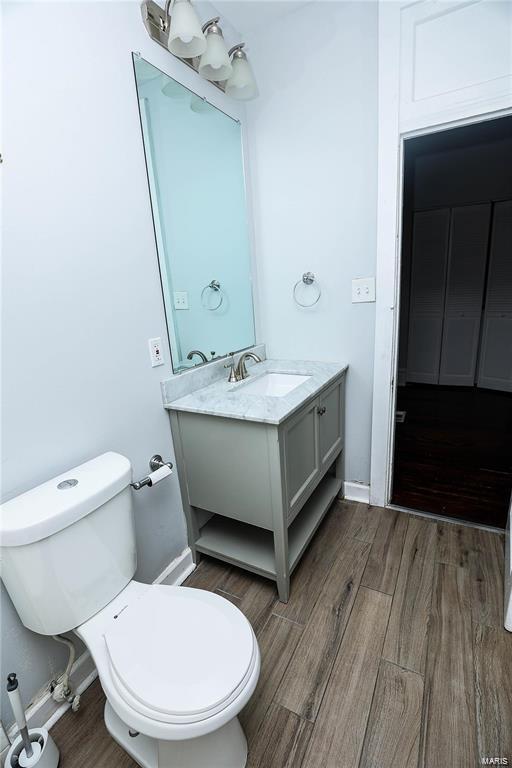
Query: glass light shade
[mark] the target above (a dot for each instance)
(186, 38)
(241, 85)
(215, 64)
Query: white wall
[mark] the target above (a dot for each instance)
(81, 287)
(313, 162)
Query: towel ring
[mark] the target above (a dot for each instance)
(308, 278)
(214, 286)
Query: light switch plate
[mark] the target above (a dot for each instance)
(363, 289)
(180, 299)
(155, 352)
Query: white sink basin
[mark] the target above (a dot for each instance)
(274, 384)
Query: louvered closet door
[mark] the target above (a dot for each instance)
(495, 368)
(428, 276)
(467, 258)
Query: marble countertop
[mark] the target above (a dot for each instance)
(230, 401)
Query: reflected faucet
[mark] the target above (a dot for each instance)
(198, 353)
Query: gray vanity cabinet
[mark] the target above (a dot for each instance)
(331, 419)
(301, 456)
(255, 493)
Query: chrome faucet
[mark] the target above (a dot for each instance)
(241, 370)
(198, 353)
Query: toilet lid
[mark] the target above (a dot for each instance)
(180, 651)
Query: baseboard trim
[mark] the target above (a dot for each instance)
(356, 492)
(44, 711)
(177, 571)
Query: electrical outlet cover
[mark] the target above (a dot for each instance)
(155, 352)
(363, 289)
(180, 299)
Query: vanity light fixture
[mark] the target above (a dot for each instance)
(186, 37)
(177, 28)
(215, 63)
(241, 85)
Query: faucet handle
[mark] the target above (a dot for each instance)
(232, 374)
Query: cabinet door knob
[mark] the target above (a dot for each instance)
(321, 410)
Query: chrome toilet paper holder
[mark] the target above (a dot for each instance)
(155, 462)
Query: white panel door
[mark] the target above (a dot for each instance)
(469, 239)
(495, 366)
(456, 60)
(428, 278)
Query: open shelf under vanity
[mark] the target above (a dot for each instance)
(252, 548)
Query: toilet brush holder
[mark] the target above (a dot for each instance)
(44, 751)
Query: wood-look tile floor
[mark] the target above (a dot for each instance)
(391, 652)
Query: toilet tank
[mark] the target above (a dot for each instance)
(68, 546)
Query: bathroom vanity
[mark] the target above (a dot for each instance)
(260, 463)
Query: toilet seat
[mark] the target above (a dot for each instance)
(202, 717)
(180, 655)
(136, 715)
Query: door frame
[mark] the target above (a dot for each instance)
(391, 144)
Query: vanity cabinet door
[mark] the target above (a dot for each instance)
(330, 424)
(300, 454)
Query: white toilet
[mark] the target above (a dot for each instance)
(176, 664)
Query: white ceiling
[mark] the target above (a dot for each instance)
(249, 15)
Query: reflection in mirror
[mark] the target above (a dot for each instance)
(196, 180)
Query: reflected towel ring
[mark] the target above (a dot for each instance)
(308, 278)
(214, 286)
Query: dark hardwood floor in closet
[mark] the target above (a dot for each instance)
(391, 652)
(453, 453)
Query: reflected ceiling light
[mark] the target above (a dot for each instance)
(146, 72)
(172, 89)
(186, 38)
(215, 63)
(200, 105)
(241, 85)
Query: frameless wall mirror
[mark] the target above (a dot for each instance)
(196, 181)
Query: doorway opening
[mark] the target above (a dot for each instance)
(453, 431)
